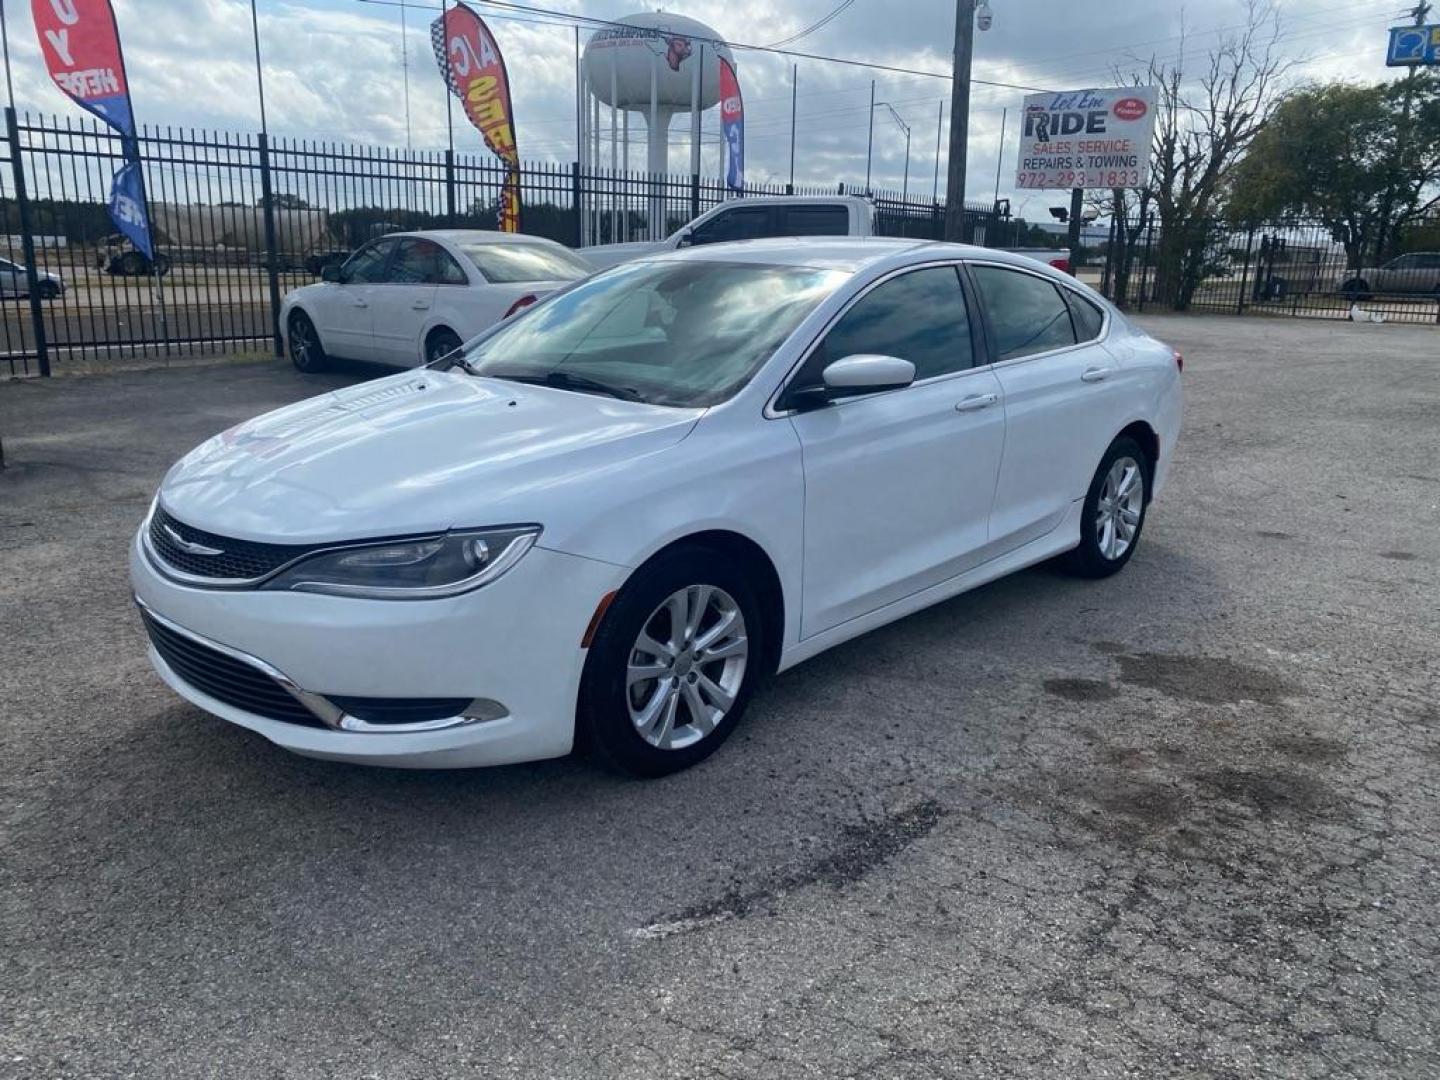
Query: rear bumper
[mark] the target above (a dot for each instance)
(512, 649)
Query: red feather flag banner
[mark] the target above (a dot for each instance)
(473, 68)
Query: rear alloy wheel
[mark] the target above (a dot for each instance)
(672, 666)
(1114, 511)
(48, 290)
(306, 353)
(1355, 289)
(440, 343)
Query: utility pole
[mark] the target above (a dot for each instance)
(794, 99)
(1407, 107)
(939, 136)
(869, 144)
(259, 75)
(959, 120)
(1000, 155)
(1077, 210)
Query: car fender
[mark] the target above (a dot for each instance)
(759, 494)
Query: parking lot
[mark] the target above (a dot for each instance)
(1181, 823)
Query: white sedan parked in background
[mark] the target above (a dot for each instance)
(14, 281)
(409, 298)
(617, 512)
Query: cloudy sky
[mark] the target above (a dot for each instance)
(334, 69)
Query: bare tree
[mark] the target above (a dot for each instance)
(1203, 126)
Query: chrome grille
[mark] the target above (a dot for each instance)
(238, 560)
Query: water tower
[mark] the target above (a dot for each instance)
(656, 64)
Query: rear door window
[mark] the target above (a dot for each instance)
(1027, 313)
(423, 262)
(814, 221)
(1088, 318)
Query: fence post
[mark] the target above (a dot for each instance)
(1145, 264)
(694, 196)
(27, 243)
(1245, 273)
(575, 202)
(1105, 275)
(272, 255)
(450, 188)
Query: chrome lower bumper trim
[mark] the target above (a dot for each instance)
(480, 710)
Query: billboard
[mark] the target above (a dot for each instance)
(1087, 139)
(474, 70)
(81, 46)
(732, 120)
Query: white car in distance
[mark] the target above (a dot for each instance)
(409, 298)
(617, 512)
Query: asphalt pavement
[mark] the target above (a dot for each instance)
(1181, 823)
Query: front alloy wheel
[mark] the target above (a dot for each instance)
(687, 667)
(673, 663)
(306, 352)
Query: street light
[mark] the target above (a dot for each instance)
(905, 189)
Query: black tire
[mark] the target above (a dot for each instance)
(1090, 558)
(48, 290)
(604, 712)
(442, 340)
(133, 264)
(1355, 289)
(162, 265)
(306, 352)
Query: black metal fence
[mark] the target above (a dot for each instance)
(1291, 268)
(239, 219)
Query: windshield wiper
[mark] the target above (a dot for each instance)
(453, 359)
(567, 380)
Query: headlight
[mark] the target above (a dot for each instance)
(421, 569)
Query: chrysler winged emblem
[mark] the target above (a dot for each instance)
(189, 547)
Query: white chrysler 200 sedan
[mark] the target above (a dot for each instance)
(611, 516)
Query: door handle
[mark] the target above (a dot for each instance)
(976, 401)
(1096, 374)
(360, 303)
(420, 305)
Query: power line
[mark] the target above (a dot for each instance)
(821, 24)
(566, 18)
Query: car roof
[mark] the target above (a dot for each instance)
(777, 200)
(851, 253)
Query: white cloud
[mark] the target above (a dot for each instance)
(333, 71)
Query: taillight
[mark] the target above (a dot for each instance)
(1063, 265)
(521, 304)
(1179, 361)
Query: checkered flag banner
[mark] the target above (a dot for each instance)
(437, 42)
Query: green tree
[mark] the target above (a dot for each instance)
(1364, 160)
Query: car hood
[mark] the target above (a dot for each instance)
(418, 452)
(603, 256)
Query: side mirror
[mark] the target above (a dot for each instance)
(331, 272)
(863, 373)
(867, 373)
(687, 238)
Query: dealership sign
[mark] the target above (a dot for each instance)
(1087, 139)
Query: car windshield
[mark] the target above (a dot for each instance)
(679, 333)
(512, 263)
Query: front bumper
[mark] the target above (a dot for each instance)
(512, 648)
